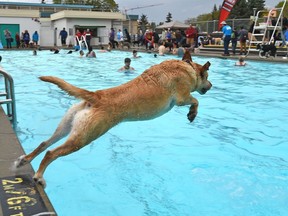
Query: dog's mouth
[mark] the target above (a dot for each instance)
(205, 89)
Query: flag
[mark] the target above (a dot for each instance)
(225, 10)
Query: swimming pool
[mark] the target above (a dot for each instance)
(232, 160)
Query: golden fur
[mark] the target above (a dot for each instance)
(148, 96)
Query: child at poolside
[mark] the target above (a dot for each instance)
(240, 62)
(126, 67)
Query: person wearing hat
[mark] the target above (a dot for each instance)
(227, 31)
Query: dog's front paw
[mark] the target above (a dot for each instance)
(21, 161)
(39, 180)
(191, 116)
(192, 113)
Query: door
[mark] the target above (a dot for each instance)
(13, 28)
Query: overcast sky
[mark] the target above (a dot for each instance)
(157, 10)
(181, 10)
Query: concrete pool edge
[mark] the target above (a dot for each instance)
(10, 150)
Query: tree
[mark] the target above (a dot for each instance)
(285, 11)
(143, 22)
(240, 10)
(168, 17)
(258, 4)
(153, 25)
(244, 8)
(215, 13)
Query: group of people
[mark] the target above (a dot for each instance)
(82, 39)
(243, 35)
(233, 35)
(151, 39)
(121, 38)
(22, 41)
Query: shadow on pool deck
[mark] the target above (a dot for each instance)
(18, 192)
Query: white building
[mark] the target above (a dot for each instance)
(49, 19)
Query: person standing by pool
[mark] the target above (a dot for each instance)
(227, 31)
(35, 38)
(234, 39)
(26, 38)
(112, 37)
(120, 37)
(88, 37)
(8, 38)
(17, 39)
(243, 37)
(78, 36)
(190, 35)
(63, 35)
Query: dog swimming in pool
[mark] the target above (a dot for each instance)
(153, 93)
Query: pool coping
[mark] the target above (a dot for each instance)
(10, 150)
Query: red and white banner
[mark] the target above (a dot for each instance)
(225, 10)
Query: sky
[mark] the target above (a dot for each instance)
(181, 10)
(157, 10)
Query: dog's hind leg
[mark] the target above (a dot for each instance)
(62, 130)
(86, 128)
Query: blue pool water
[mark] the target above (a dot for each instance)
(232, 160)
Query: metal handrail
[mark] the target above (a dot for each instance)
(10, 97)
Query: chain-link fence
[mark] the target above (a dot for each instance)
(212, 26)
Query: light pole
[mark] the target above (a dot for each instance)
(254, 12)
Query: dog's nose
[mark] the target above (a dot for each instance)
(210, 84)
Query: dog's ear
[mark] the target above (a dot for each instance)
(205, 67)
(187, 56)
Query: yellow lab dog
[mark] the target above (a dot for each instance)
(148, 96)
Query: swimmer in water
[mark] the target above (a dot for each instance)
(240, 62)
(135, 54)
(126, 67)
(81, 53)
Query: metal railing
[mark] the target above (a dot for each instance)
(9, 97)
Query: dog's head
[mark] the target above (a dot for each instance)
(202, 83)
(258, 46)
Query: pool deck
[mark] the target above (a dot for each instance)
(12, 149)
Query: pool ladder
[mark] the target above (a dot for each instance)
(9, 99)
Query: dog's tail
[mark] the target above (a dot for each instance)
(70, 89)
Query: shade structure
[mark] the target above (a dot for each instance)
(173, 25)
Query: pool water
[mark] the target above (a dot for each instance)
(232, 160)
